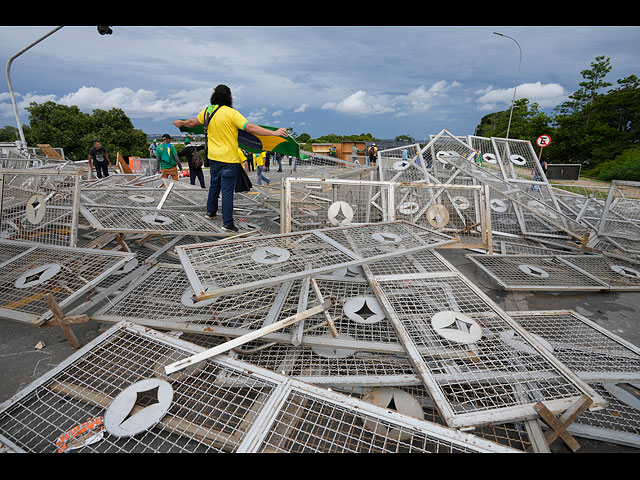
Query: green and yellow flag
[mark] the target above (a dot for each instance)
(258, 143)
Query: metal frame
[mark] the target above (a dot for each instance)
(307, 203)
(76, 271)
(222, 405)
(620, 219)
(594, 353)
(498, 377)
(216, 269)
(40, 205)
(560, 272)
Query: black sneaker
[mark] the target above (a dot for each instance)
(229, 228)
(209, 215)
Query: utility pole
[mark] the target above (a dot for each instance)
(23, 143)
(517, 75)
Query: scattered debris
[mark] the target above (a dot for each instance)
(329, 322)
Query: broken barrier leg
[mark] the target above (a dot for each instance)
(558, 426)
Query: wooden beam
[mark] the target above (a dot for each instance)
(60, 320)
(558, 426)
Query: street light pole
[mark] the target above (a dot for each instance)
(517, 75)
(13, 98)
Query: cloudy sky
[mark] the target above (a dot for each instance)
(383, 80)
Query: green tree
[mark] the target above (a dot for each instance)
(67, 127)
(303, 138)
(8, 134)
(527, 122)
(625, 166)
(594, 127)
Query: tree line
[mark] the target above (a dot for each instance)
(595, 127)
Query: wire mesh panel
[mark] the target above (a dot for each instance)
(116, 178)
(536, 209)
(323, 365)
(357, 316)
(236, 265)
(527, 246)
(487, 156)
(318, 203)
(316, 165)
(519, 160)
(393, 166)
(582, 203)
(151, 220)
(618, 423)
(589, 350)
(479, 366)
(10, 250)
(440, 149)
(111, 396)
(414, 397)
(27, 278)
(536, 272)
(40, 206)
(456, 210)
(176, 199)
(627, 204)
(616, 273)
(425, 261)
(621, 211)
(163, 299)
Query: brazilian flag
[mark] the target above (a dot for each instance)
(258, 143)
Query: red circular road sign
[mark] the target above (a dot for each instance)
(543, 141)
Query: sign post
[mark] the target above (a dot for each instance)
(543, 141)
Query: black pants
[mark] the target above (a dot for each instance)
(102, 168)
(196, 173)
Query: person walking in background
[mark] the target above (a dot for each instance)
(259, 159)
(222, 124)
(152, 149)
(194, 161)
(99, 160)
(545, 167)
(373, 154)
(267, 161)
(168, 160)
(249, 156)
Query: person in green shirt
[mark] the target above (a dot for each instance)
(168, 161)
(222, 150)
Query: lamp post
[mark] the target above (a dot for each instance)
(13, 98)
(517, 75)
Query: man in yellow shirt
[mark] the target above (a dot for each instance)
(259, 168)
(222, 146)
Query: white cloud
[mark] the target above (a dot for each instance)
(302, 108)
(139, 103)
(360, 103)
(547, 95)
(421, 99)
(136, 103)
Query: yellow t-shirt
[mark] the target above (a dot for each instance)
(241, 156)
(222, 134)
(259, 159)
